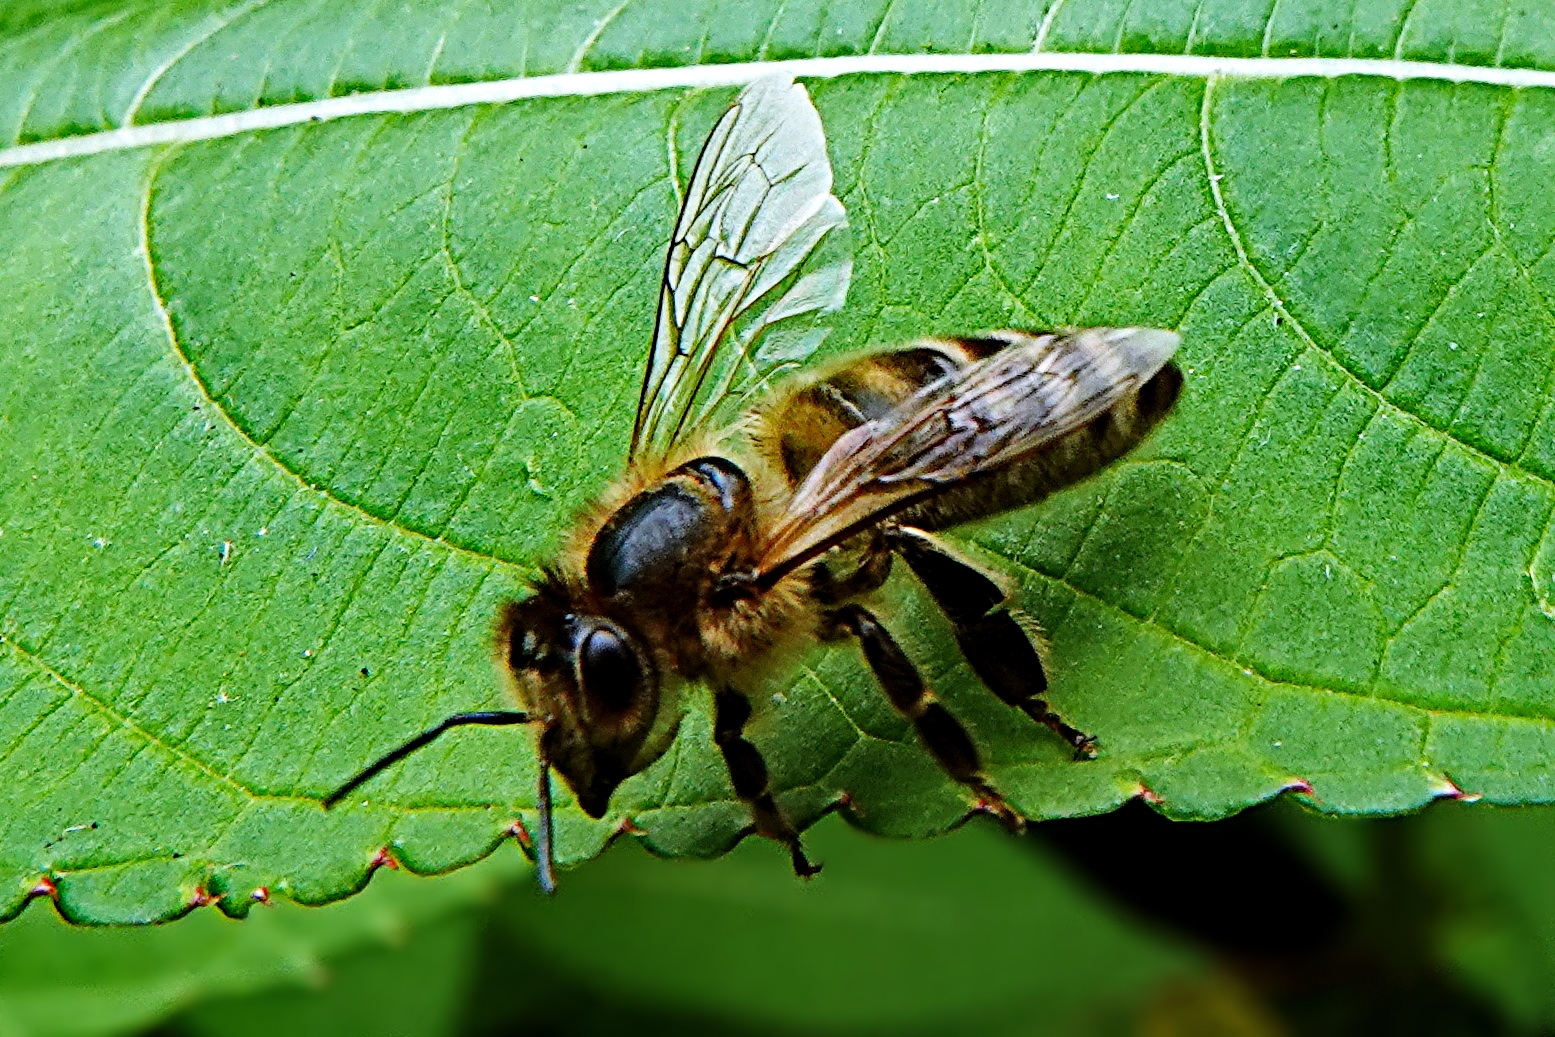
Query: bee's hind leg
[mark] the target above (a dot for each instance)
(748, 772)
(938, 729)
(993, 641)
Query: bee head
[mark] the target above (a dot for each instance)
(592, 684)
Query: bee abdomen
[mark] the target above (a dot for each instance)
(1061, 463)
(805, 424)
(810, 420)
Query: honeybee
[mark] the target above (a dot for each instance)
(717, 555)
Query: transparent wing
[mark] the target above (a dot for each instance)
(759, 206)
(990, 414)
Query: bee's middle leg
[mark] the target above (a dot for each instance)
(748, 772)
(938, 729)
(992, 640)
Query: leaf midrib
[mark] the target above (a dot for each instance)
(587, 84)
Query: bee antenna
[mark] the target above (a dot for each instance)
(545, 852)
(488, 718)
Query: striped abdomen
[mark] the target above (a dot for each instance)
(805, 424)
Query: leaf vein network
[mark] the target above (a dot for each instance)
(1279, 305)
(259, 449)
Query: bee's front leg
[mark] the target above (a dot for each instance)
(748, 771)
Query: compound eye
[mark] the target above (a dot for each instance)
(610, 671)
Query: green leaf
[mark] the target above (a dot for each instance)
(289, 410)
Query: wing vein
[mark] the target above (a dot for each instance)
(758, 211)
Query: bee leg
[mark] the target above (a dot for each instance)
(993, 641)
(748, 771)
(870, 575)
(938, 729)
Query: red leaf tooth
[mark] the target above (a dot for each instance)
(1001, 811)
(45, 887)
(519, 832)
(202, 897)
(1446, 788)
(384, 858)
(261, 895)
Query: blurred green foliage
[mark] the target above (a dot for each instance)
(1279, 922)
